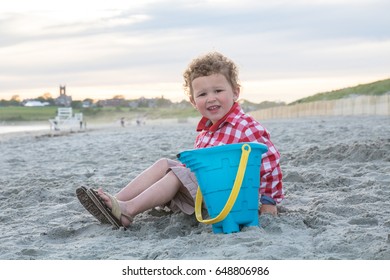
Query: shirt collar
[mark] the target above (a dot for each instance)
(206, 124)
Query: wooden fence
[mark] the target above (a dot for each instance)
(359, 105)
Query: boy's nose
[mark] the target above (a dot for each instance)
(211, 98)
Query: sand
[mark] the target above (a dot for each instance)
(336, 179)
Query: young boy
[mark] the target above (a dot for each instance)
(211, 83)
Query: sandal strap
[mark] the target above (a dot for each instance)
(115, 210)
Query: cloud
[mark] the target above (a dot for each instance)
(125, 44)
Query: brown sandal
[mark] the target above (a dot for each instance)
(93, 203)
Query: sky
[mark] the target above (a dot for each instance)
(285, 50)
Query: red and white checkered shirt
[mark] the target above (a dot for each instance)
(238, 127)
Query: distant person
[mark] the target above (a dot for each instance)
(56, 125)
(123, 122)
(211, 83)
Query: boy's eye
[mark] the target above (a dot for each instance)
(202, 94)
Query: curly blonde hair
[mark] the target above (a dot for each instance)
(208, 64)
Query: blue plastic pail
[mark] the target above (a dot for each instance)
(230, 195)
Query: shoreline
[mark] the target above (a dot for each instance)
(15, 128)
(43, 126)
(40, 129)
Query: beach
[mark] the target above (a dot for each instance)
(336, 182)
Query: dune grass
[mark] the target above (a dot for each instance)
(19, 113)
(375, 88)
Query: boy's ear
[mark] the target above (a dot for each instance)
(236, 94)
(193, 102)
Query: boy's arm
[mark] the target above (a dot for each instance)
(271, 174)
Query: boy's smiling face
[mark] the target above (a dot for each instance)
(213, 96)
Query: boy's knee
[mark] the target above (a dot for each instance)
(162, 164)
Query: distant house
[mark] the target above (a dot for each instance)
(116, 102)
(143, 102)
(35, 103)
(86, 104)
(63, 100)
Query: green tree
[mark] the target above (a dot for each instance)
(15, 100)
(46, 97)
(77, 104)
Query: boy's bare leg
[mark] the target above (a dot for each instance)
(144, 180)
(158, 194)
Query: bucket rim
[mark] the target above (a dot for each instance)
(227, 147)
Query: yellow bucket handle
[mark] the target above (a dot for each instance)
(246, 149)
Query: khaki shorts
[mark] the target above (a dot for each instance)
(184, 200)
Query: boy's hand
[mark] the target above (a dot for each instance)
(268, 209)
